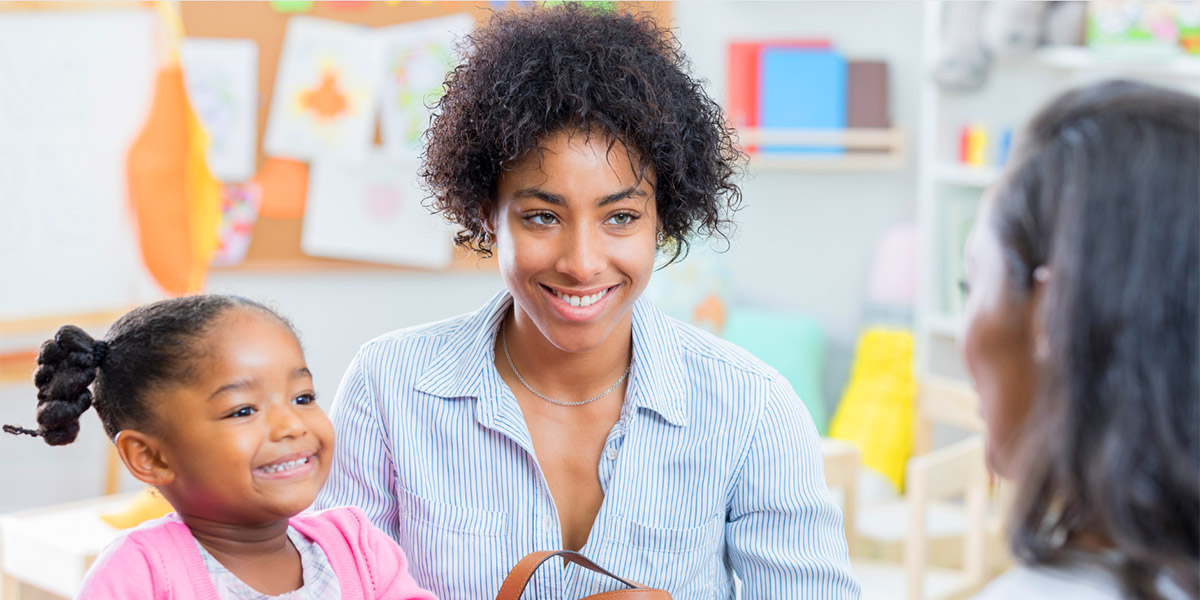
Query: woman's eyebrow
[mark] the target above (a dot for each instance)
(633, 192)
(557, 200)
(542, 195)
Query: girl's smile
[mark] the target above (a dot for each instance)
(292, 465)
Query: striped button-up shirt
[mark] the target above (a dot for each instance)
(714, 468)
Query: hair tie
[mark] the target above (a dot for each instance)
(99, 351)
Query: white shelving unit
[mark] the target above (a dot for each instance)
(1016, 88)
(1079, 58)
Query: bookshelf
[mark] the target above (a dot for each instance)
(866, 149)
(947, 191)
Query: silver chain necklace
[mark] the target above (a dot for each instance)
(504, 342)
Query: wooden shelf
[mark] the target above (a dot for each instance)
(865, 149)
(1082, 58)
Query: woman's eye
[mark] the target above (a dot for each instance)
(543, 218)
(305, 399)
(622, 219)
(244, 411)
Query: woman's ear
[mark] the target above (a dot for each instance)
(143, 456)
(1042, 278)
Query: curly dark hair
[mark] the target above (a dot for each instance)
(530, 73)
(1105, 192)
(151, 347)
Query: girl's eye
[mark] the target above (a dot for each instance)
(305, 399)
(244, 411)
(622, 219)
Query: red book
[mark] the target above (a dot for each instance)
(743, 78)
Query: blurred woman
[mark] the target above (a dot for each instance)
(1081, 338)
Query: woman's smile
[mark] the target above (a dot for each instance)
(580, 305)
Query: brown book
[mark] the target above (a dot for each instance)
(867, 94)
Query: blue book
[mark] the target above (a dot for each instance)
(802, 88)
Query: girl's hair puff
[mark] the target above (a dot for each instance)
(152, 347)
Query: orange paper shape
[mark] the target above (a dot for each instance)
(174, 197)
(326, 101)
(284, 185)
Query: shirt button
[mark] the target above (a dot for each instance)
(611, 453)
(548, 523)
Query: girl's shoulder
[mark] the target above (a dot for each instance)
(141, 559)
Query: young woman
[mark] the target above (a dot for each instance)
(567, 412)
(1082, 338)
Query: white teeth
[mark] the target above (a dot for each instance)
(286, 466)
(581, 300)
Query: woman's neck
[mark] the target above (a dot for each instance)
(260, 555)
(566, 376)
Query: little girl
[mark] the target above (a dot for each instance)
(209, 400)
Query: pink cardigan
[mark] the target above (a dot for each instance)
(160, 560)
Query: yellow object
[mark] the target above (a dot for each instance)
(141, 508)
(876, 411)
(977, 146)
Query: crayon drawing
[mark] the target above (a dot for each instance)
(222, 85)
(324, 99)
(371, 210)
(415, 59)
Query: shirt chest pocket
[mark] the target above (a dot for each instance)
(438, 536)
(450, 517)
(704, 536)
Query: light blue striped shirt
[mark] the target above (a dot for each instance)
(714, 468)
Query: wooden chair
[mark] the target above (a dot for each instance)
(933, 477)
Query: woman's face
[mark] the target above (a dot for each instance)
(998, 341)
(576, 238)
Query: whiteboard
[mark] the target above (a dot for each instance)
(75, 89)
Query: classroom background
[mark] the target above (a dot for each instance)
(270, 149)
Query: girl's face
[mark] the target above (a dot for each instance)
(245, 440)
(998, 341)
(576, 238)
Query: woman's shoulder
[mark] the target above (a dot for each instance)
(435, 336)
(426, 333)
(699, 347)
(1053, 583)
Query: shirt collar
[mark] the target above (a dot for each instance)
(655, 382)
